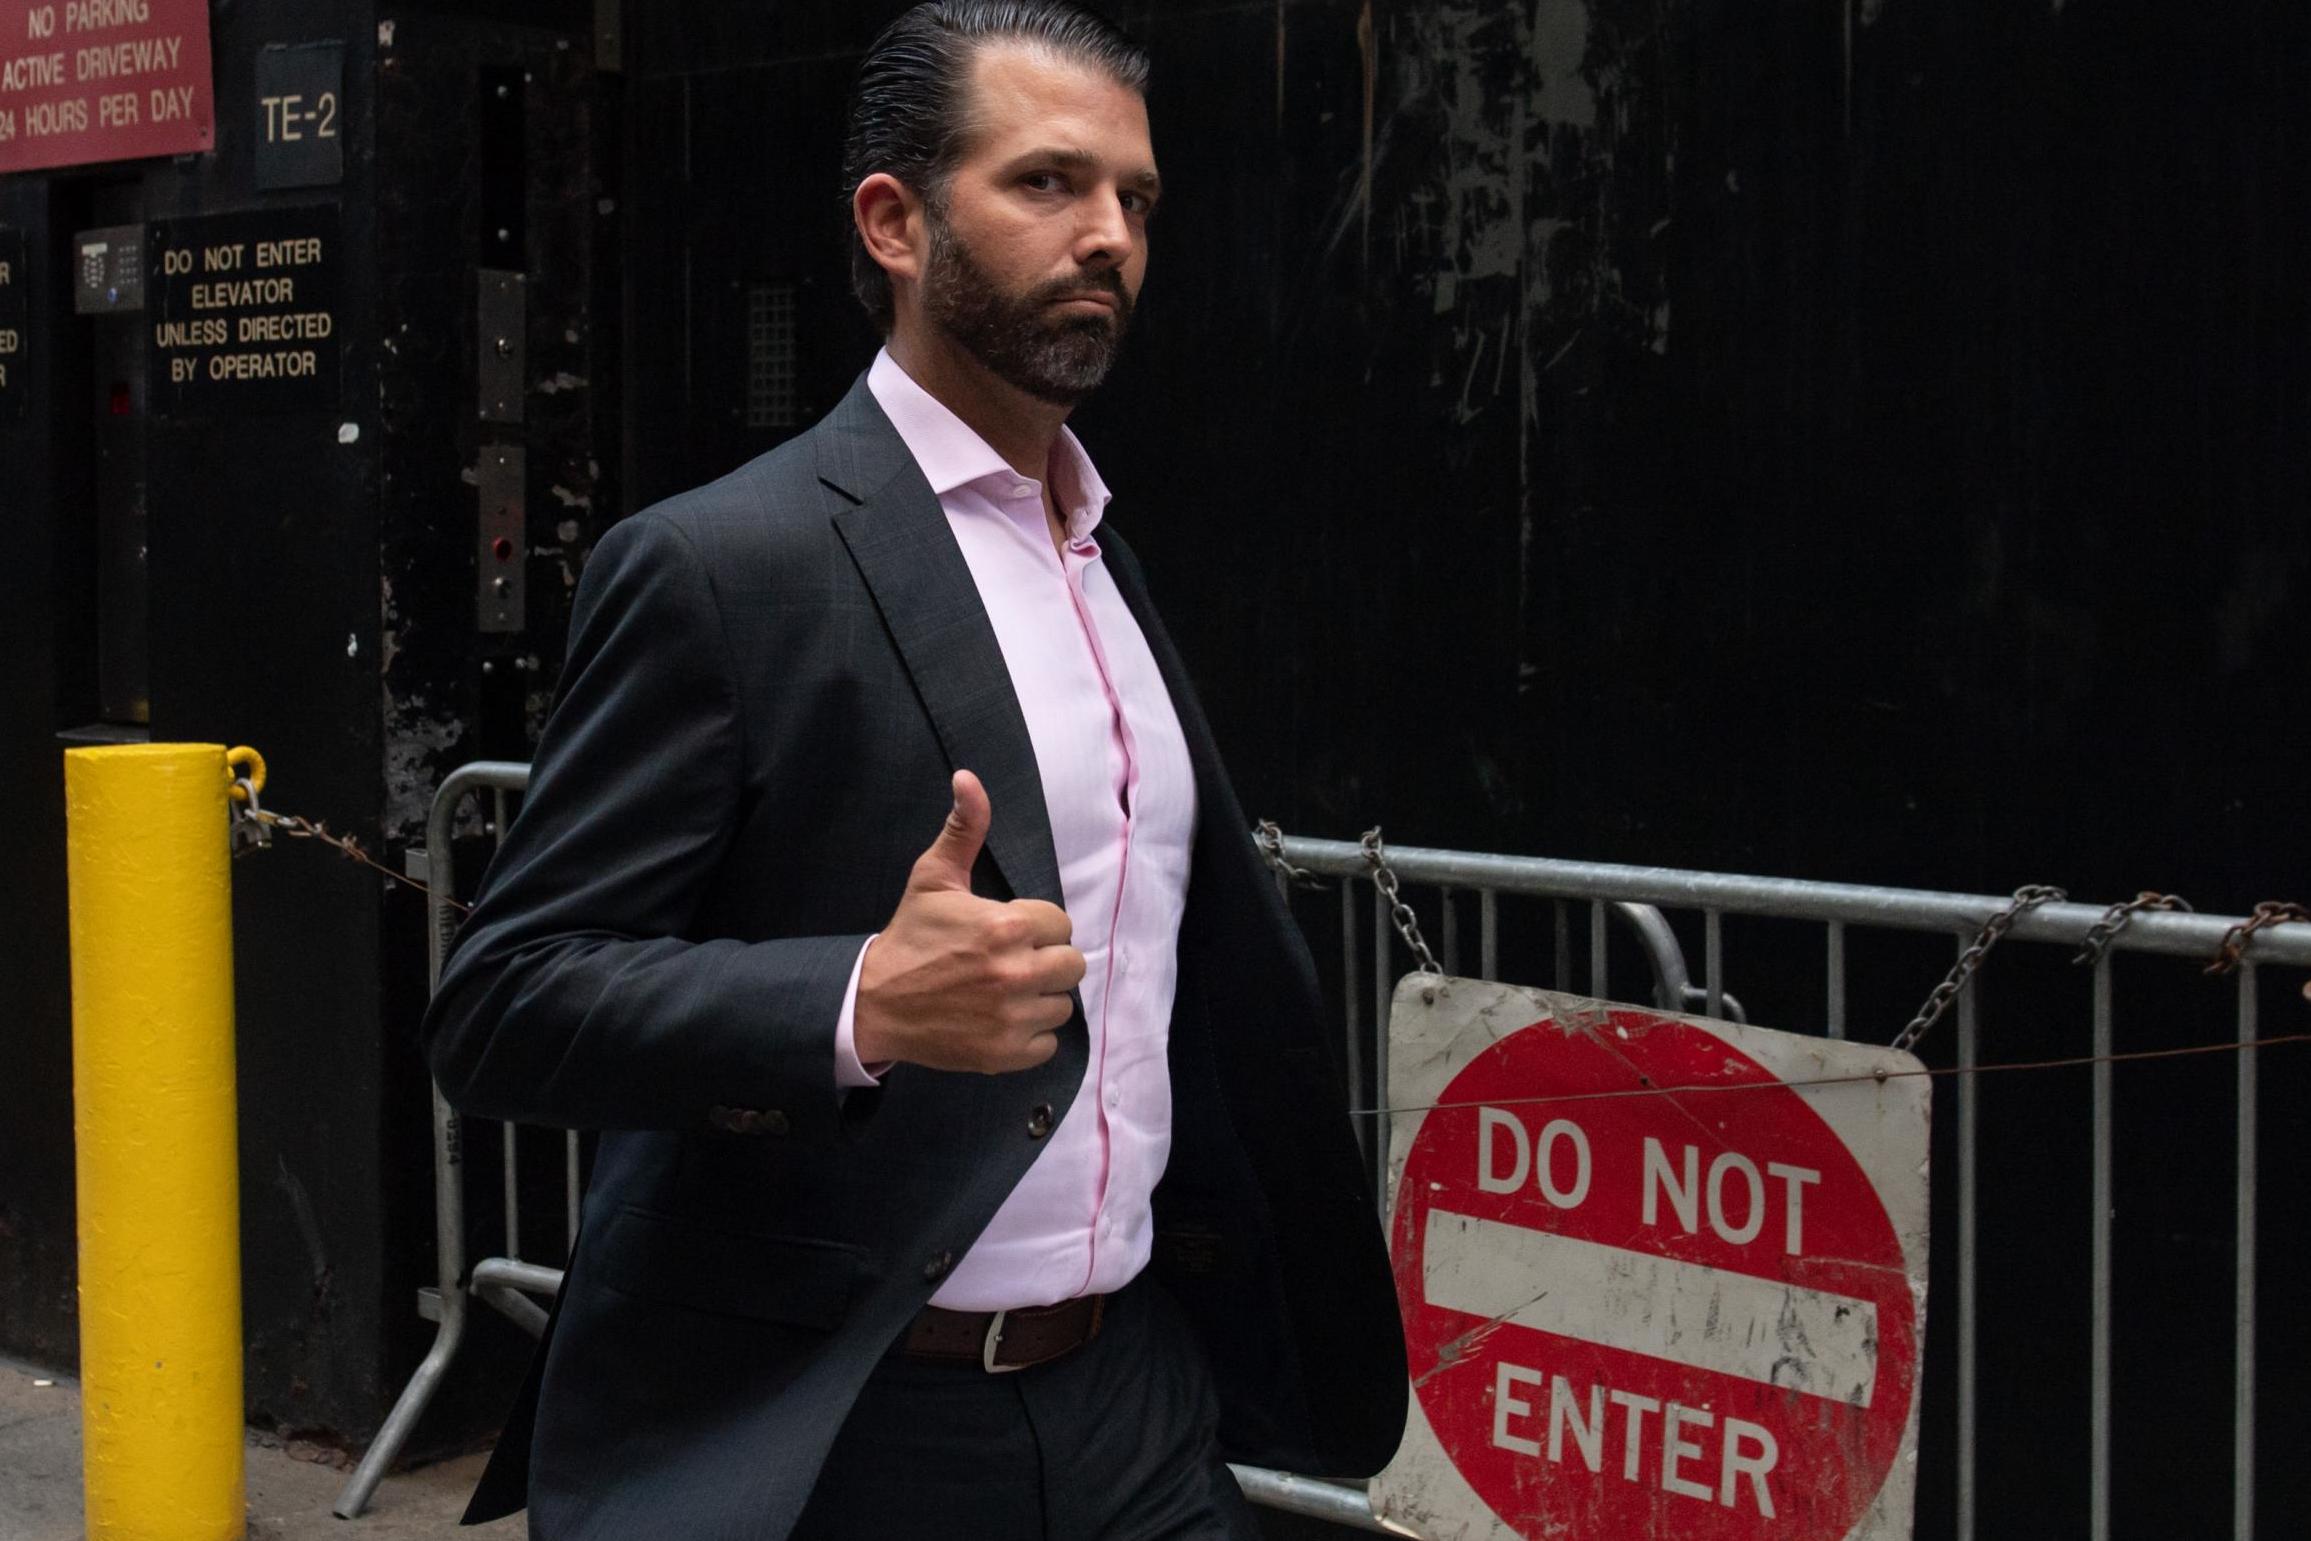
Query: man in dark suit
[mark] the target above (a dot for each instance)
(999, 1188)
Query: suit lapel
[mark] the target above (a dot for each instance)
(899, 537)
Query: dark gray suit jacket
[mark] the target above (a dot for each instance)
(769, 682)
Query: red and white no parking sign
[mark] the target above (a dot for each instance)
(1649, 1290)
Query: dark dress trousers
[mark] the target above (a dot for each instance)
(770, 680)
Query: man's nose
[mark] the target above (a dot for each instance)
(1105, 232)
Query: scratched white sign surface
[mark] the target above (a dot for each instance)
(1651, 1287)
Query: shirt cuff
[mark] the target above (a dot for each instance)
(848, 1071)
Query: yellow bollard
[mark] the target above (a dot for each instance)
(155, 1132)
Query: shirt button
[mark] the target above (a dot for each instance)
(1114, 1098)
(1020, 489)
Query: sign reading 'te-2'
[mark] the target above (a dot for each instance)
(299, 127)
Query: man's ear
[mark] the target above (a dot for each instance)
(889, 217)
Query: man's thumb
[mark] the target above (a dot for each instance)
(947, 864)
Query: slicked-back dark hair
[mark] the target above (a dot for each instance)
(909, 108)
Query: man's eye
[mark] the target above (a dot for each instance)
(1042, 181)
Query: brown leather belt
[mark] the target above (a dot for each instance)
(997, 1341)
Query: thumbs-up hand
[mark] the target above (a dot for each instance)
(957, 982)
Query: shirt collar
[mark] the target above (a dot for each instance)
(951, 454)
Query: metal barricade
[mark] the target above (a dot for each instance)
(1635, 896)
(1839, 908)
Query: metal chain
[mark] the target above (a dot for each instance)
(1270, 839)
(254, 826)
(2026, 898)
(2103, 932)
(1408, 924)
(2271, 912)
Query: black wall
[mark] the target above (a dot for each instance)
(36, 1214)
(1897, 412)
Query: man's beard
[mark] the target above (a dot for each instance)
(1060, 359)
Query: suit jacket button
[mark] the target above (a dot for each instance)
(745, 1121)
(721, 1117)
(939, 1267)
(774, 1122)
(1039, 1121)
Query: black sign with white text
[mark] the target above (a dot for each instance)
(299, 128)
(243, 312)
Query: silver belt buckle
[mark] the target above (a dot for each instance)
(989, 1344)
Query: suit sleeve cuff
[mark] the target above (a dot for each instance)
(848, 1071)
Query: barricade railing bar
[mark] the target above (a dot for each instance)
(1633, 897)
(507, 1282)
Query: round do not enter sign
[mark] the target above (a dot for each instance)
(1650, 1290)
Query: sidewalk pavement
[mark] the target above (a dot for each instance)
(291, 1485)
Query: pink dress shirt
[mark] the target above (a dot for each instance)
(1121, 798)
